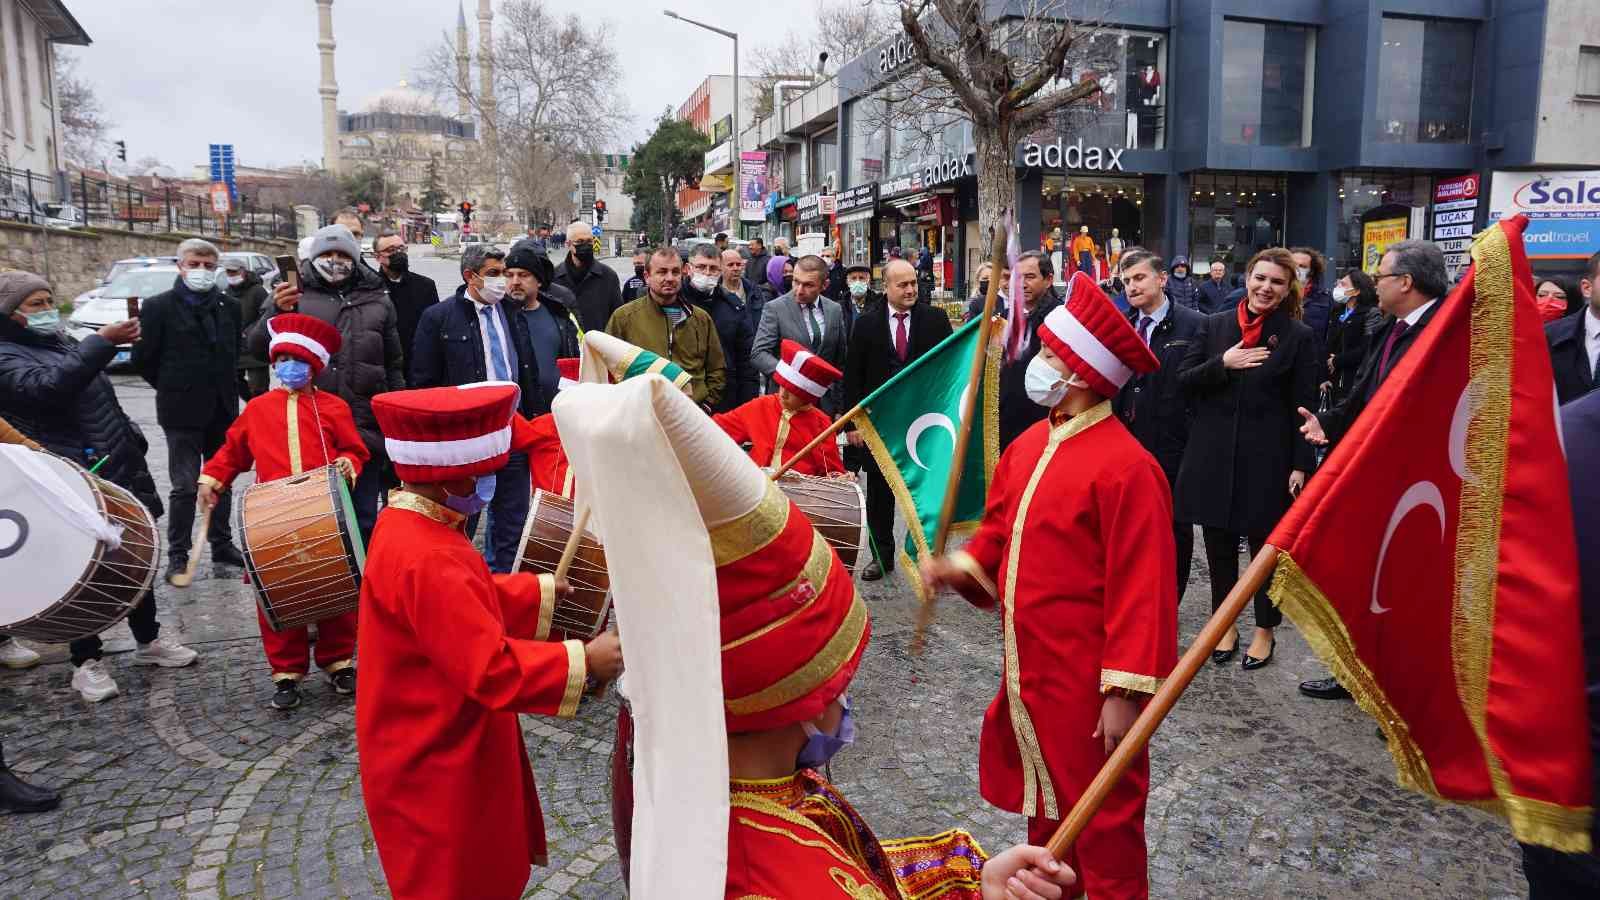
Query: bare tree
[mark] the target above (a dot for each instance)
(83, 119)
(1007, 68)
(546, 120)
(844, 30)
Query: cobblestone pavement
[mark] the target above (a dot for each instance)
(189, 785)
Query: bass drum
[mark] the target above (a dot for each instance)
(837, 509)
(302, 549)
(544, 537)
(63, 583)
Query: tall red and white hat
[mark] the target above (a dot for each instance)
(804, 372)
(445, 433)
(306, 338)
(1094, 339)
(568, 368)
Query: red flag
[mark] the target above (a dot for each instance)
(1431, 562)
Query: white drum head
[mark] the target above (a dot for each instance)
(42, 556)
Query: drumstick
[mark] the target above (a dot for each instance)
(186, 577)
(571, 549)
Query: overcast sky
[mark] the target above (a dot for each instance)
(256, 86)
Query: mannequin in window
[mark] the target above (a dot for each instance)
(1083, 251)
(1150, 86)
(1114, 247)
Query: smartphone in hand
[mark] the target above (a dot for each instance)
(133, 307)
(288, 271)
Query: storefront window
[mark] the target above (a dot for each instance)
(793, 171)
(1231, 217)
(1130, 110)
(825, 157)
(1111, 208)
(856, 240)
(868, 140)
(1360, 191)
(1425, 81)
(1266, 84)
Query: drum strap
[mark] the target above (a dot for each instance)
(322, 436)
(45, 483)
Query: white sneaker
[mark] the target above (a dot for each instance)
(168, 654)
(93, 681)
(15, 656)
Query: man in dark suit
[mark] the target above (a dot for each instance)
(410, 293)
(1017, 410)
(805, 316)
(470, 338)
(188, 350)
(886, 338)
(1411, 281)
(1153, 406)
(1215, 291)
(1575, 341)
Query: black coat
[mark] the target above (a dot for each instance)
(1335, 422)
(55, 391)
(867, 361)
(1349, 342)
(251, 296)
(736, 334)
(597, 289)
(189, 351)
(1155, 407)
(411, 296)
(1184, 291)
(1569, 354)
(1580, 423)
(1316, 310)
(1245, 439)
(449, 351)
(1213, 295)
(1017, 410)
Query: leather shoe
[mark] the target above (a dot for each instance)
(17, 795)
(1324, 689)
(227, 555)
(873, 572)
(178, 566)
(1250, 663)
(1223, 657)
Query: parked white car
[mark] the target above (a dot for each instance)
(112, 304)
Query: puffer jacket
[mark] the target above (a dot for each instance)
(251, 295)
(371, 360)
(55, 391)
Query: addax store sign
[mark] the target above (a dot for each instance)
(1563, 210)
(1061, 155)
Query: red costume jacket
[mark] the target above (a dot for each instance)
(547, 460)
(283, 433)
(765, 424)
(449, 656)
(1077, 537)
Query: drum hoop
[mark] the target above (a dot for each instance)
(527, 530)
(863, 542)
(346, 527)
(329, 473)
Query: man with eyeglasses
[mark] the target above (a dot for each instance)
(596, 287)
(410, 292)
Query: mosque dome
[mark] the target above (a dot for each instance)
(402, 98)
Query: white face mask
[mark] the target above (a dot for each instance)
(1340, 294)
(1045, 385)
(705, 284)
(1303, 274)
(235, 280)
(334, 268)
(493, 290)
(200, 280)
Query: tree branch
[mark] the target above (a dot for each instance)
(1031, 114)
(983, 115)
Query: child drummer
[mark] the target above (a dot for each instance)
(777, 426)
(284, 432)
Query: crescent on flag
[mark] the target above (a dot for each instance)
(923, 423)
(1423, 493)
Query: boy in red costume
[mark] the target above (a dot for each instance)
(284, 432)
(452, 654)
(777, 426)
(1076, 545)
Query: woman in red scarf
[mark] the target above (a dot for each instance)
(1249, 371)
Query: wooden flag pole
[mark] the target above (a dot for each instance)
(827, 433)
(952, 486)
(1138, 737)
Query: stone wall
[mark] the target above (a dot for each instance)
(74, 260)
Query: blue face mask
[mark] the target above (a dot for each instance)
(821, 747)
(293, 373)
(473, 504)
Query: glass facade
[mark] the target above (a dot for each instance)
(1266, 84)
(1233, 216)
(1361, 190)
(825, 157)
(1103, 204)
(1130, 111)
(868, 140)
(1425, 81)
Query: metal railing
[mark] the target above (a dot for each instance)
(80, 201)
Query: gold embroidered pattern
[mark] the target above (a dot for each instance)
(292, 413)
(547, 605)
(855, 890)
(1144, 684)
(577, 669)
(816, 572)
(820, 668)
(783, 436)
(422, 506)
(733, 541)
(759, 804)
(1035, 776)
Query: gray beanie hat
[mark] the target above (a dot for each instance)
(334, 237)
(15, 288)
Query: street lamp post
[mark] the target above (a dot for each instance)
(734, 138)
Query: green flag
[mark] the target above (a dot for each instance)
(910, 424)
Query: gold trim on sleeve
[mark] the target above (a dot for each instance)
(1144, 684)
(967, 563)
(577, 670)
(547, 605)
(207, 479)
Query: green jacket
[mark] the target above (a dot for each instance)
(693, 344)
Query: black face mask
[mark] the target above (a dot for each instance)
(788, 284)
(983, 288)
(399, 263)
(638, 271)
(584, 253)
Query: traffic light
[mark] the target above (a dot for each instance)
(122, 150)
(466, 212)
(599, 211)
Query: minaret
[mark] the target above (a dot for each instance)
(486, 92)
(329, 89)
(463, 74)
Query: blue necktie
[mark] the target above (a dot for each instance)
(491, 333)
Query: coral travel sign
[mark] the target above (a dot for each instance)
(1563, 210)
(1061, 155)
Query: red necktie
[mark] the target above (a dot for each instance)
(900, 347)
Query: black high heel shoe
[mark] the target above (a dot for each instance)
(1250, 663)
(1223, 657)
